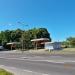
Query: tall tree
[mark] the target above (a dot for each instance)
(71, 41)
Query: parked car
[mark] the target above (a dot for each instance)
(1, 47)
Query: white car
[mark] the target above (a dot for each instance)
(1, 47)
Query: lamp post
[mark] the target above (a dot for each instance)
(22, 35)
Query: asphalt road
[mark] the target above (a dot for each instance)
(40, 64)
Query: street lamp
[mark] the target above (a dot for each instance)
(22, 35)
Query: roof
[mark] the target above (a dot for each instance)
(40, 39)
(13, 43)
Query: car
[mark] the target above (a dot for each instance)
(1, 47)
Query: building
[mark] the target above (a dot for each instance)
(39, 43)
(12, 45)
(53, 45)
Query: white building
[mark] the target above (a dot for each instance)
(52, 45)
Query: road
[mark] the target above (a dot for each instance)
(39, 64)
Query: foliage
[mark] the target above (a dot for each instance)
(70, 42)
(23, 36)
(65, 44)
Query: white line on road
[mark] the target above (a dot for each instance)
(15, 70)
(45, 74)
(27, 70)
(52, 61)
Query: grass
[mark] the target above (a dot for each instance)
(4, 72)
(64, 51)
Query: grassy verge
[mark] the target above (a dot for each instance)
(64, 51)
(4, 72)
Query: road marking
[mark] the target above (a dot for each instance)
(45, 74)
(14, 68)
(52, 61)
(27, 70)
(1, 65)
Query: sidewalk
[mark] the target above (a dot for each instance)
(44, 51)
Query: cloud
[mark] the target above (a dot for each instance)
(10, 24)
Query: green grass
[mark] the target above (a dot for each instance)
(64, 51)
(4, 72)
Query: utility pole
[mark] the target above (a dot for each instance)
(22, 36)
(22, 42)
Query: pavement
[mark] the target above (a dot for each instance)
(29, 63)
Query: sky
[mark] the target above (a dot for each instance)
(58, 16)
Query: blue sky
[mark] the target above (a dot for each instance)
(58, 16)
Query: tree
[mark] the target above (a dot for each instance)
(7, 34)
(26, 39)
(23, 36)
(65, 44)
(40, 33)
(71, 41)
(18, 34)
(43, 33)
(2, 37)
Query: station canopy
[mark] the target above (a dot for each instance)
(13, 43)
(40, 39)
